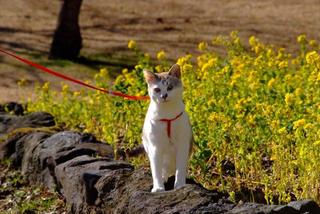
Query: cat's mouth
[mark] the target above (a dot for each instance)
(164, 101)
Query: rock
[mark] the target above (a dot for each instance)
(305, 206)
(58, 149)
(9, 123)
(12, 107)
(222, 206)
(78, 176)
(36, 119)
(29, 163)
(283, 210)
(252, 208)
(100, 149)
(37, 152)
(8, 147)
(295, 207)
(120, 191)
(25, 147)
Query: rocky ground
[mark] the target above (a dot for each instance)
(50, 165)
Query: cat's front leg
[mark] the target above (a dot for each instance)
(156, 170)
(181, 166)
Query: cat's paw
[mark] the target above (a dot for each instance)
(179, 186)
(158, 189)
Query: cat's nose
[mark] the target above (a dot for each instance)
(164, 96)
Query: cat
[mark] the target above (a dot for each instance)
(167, 134)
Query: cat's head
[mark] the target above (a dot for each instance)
(164, 87)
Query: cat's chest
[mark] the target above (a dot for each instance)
(166, 129)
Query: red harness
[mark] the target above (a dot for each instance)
(168, 121)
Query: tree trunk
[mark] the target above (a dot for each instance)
(67, 40)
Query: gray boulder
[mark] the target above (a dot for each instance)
(57, 149)
(9, 122)
(78, 176)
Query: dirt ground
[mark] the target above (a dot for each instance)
(176, 26)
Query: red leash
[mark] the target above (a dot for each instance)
(62, 76)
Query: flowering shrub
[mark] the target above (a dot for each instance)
(255, 113)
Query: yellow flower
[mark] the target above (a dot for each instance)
(91, 101)
(252, 41)
(271, 83)
(254, 86)
(147, 56)
(312, 57)
(138, 67)
(119, 79)
(237, 41)
(183, 60)
(251, 119)
(187, 67)
(313, 43)
(202, 46)
(46, 86)
(298, 91)
(268, 110)
(211, 63)
(219, 40)
(22, 82)
(282, 130)
(275, 124)
(159, 68)
(132, 44)
(217, 117)
(103, 72)
(270, 53)
(211, 102)
(283, 64)
(65, 88)
(214, 117)
(317, 143)
(289, 98)
(76, 93)
(299, 123)
(302, 38)
(205, 67)
(241, 103)
(257, 49)
(252, 76)
(161, 55)
(309, 126)
(295, 61)
(281, 54)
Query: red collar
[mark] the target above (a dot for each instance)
(168, 121)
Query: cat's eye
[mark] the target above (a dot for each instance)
(170, 87)
(157, 90)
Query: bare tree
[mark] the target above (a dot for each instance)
(67, 40)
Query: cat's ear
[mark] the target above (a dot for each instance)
(175, 71)
(150, 76)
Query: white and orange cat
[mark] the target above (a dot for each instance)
(167, 135)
